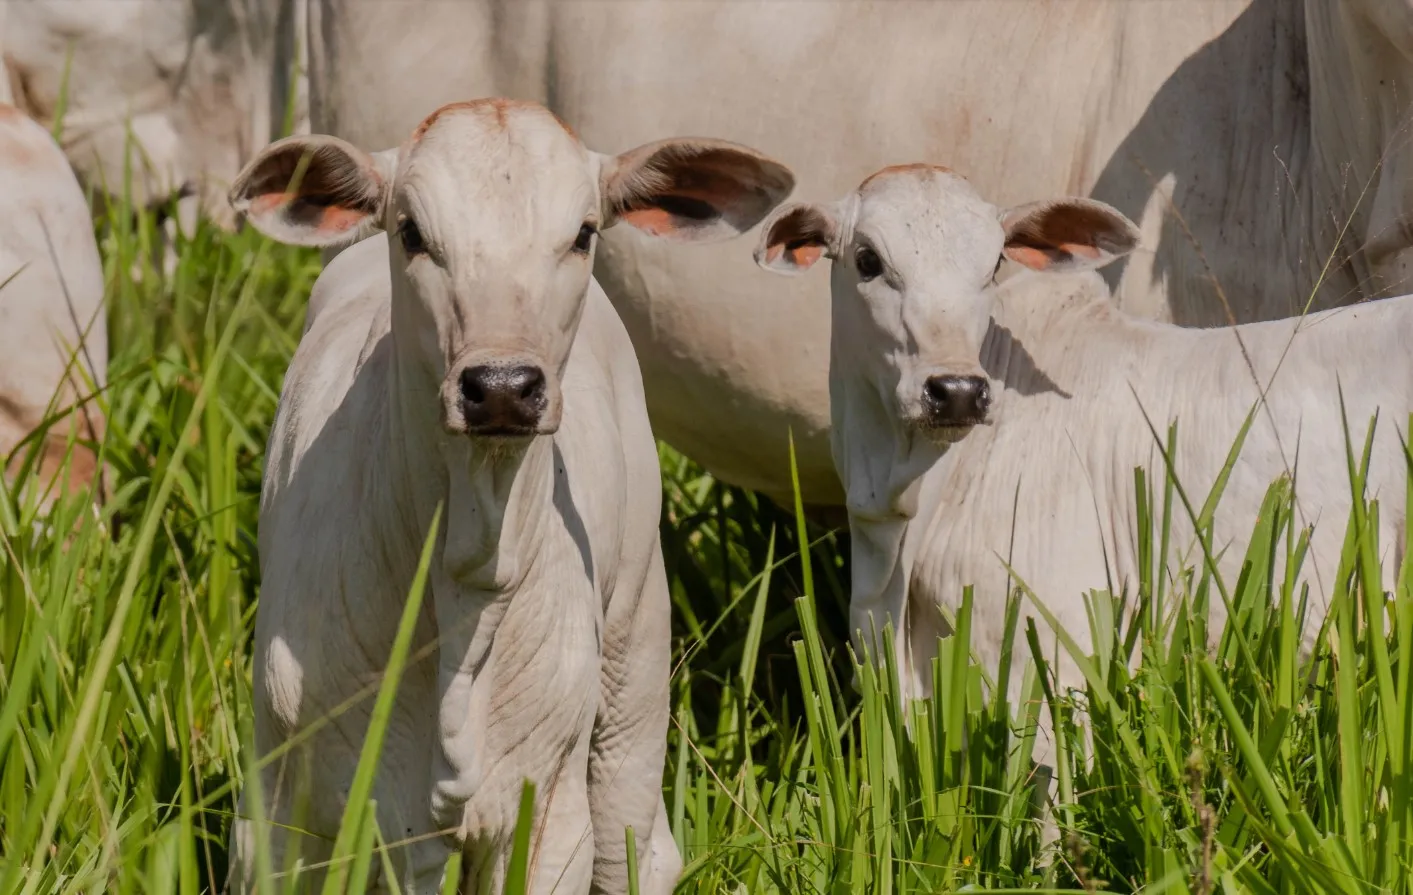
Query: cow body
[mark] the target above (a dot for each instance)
(1242, 136)
(979, 426)
(1048, 486)
(585, 508)
(467, 359)
(175, 93)
(53, 333)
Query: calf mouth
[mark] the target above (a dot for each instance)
(505, 433)
(950, 430)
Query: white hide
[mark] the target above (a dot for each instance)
(1240, 134)
(53, 332)
(1047, 481)
(544, 641)
(180, 91)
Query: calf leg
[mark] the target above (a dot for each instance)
(564, 862)
(630, 739)
(664, 865)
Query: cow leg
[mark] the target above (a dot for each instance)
(630, 739)
(664, 865)
(564, 861)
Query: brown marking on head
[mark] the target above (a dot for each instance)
(914, 168)
(497, 107)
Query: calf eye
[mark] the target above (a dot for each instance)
(585, 240)
(867, 263)
(411, 237)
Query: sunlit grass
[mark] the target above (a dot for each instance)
(125, 651)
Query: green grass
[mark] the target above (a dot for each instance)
(125, 667)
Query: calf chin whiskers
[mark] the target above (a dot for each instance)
(493, 449)
(949, 433)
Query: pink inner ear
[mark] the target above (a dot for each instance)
(1035, 259)
(269, 202)
(339, 220)
(653, 221)
(1080, 250)
(332, 219)
(805, 255)
(773, 252)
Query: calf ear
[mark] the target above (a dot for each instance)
(692, 190)
(314, 191)
(796, 236)
(1067, 234)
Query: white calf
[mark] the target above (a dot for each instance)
(976, 424)
(469, 359)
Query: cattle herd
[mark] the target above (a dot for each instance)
(1179, 211)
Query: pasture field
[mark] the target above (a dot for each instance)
(125, 670)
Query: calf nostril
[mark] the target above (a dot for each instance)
(471, 389)
(533, 384)
(983, 396)
(936, 387)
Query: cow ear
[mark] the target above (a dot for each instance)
(797, 235)
(692, 190)
(1067, 234)
(314, 190)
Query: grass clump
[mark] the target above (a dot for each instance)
(1250, 767)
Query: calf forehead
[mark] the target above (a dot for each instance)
(498, 148)
(931, 213)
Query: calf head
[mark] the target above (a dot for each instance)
(493, 209)
(915, 252)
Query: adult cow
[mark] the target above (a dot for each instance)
(1263, 120)
(475, 363)
(956, 400)
(53, 334)
(178, 93)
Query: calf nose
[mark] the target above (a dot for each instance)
(502, 400)
(956, 400)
